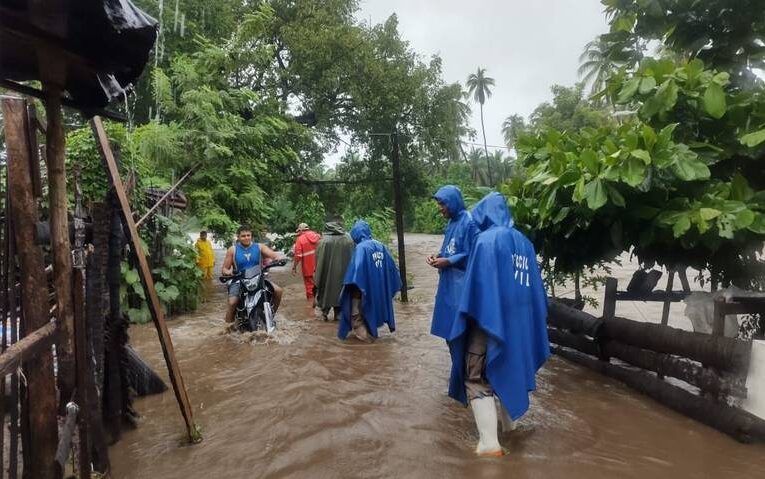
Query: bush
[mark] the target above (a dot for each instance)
(286, 215)
(428, 218)
(380, 222)
(177, 279)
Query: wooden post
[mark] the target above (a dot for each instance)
(667, 302)
(96, 313)
(5, 323)
(146, 279)
(10, 292)
(682, 273)
(59, 232)
(718, 325)
(41, 387)
(85, 384)
(34, 152)
(609, 299)
(113, 387)
(398, 202)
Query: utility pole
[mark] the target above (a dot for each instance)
(399, 205)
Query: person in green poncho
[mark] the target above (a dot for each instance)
(332, 257)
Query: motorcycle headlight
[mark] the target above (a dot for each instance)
(252, 283)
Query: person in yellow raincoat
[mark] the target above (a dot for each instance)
(205, 257)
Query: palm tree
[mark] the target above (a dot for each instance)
(513, 126)
(596, 65)
(479, 86)
(476, 161)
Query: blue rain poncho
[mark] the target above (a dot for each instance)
(505, 297)
(458, 240)
(373, 271)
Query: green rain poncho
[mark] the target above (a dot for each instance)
(332, 258)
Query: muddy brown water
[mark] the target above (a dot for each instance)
(306, 405)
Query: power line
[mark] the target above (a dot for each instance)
(481, 144)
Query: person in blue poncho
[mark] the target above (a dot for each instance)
(499, 340)
(371, 281)
(451, 261)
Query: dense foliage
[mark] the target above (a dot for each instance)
(177, 279)
(676, 180)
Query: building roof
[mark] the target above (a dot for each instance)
(105, 45)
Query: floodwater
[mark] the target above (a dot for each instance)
(306, 405)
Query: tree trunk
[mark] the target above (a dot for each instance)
(726, 354)
(62, 251)
(577, 288)
(41, 387)
(97, 312)
(486, 150)
(564, 317)
(113, 390)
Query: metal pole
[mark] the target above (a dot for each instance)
(399, 205)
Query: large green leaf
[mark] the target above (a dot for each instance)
(590, 160)
(595, 194)
(744, 219)
(647, 85)
(649, 137)
(629, 90)
(681, 226)
(131, 276)
(688, 169)
(753, 139)
(714, 101)
(616, 197)
(740, 189)
(643, 155)
(633, 171)
(709, 213)
(578, 194)
(758, 225)
(561, 215)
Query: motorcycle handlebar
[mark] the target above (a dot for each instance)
(279, 262)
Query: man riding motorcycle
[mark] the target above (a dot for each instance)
(243, 255)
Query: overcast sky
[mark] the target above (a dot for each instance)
(525, 45)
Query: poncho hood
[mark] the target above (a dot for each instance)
(310, 236)
(451, 197)
(333, 228)
(492, 210)
(361, 231)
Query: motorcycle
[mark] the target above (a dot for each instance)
(254, 311)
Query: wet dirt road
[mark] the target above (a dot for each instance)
(306, 405)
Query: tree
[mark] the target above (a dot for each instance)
(479, 85)
(725, 34)
(596, 65)
(679, 183)
(512, 127)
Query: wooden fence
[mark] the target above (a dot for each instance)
(642, 355)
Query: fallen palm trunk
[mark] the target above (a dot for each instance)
(140, 376)
(574, 341)
(726, 354)
(568, 318)
(739, 424)
(705, 379)
(664, 364)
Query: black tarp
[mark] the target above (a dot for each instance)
(106, 46)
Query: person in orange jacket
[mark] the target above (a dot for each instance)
(305, 255)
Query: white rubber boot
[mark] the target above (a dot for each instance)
(485, 413)
(505, 421)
